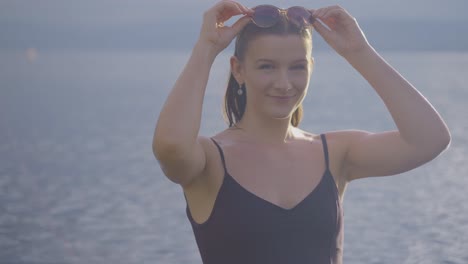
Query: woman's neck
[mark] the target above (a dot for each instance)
(267, 131)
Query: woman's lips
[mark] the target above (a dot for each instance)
(282, 98)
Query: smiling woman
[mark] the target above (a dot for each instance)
(254, 48)
(263, 190)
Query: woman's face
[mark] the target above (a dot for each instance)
(276, 71)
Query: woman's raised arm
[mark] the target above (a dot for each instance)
(176, 143)
(421, 134)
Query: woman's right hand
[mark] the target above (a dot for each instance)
(214, 32)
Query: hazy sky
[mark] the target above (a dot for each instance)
(101, 13)
(66, 22)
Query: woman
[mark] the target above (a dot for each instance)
(263, 190)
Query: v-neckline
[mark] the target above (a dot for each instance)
(273, 204)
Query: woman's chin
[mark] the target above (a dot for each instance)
(281, 115)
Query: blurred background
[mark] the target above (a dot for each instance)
(154, 25)
(81, 87)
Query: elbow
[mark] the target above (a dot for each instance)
(441, 141)
(164, 150)
(442, 144)
(432, 148)
(446, 141)
(171, 159)
(164, 146)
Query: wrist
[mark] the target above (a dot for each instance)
(360, 54)
(207, 50)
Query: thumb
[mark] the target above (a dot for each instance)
(240, 24)
(321, 29)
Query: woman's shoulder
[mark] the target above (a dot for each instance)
(337, 141)
(223, 137)
(336, 135)
(230, 134)
(306, 135)
(342, 136)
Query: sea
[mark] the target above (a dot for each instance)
(79, 182)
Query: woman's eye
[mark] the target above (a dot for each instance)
(266, 66)
(299, 67)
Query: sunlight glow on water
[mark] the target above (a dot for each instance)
(79, 184)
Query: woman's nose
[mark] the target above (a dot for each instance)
(283, 82)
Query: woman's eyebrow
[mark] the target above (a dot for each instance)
(268, 60)
(301, 60)
(264, 60)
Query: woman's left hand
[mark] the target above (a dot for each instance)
(344, 35)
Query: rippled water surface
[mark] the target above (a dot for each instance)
(79, 183)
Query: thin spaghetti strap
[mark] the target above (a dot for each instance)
(221, 154)
(325, 149)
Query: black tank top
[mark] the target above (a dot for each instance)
(246, 229)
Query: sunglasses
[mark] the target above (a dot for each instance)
(266, 16)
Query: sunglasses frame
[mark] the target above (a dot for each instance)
(286, 12)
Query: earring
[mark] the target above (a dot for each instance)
(240, 90)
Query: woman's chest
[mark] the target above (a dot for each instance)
(283, 179)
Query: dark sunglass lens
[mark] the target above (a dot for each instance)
(265, 16)
(300, 16)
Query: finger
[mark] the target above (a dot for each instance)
(240, 24)
(321, 29)
(320, 13)
(330, 16)
(239, 6)
(231, 8)
(225, 10)
(334, 12)
(245, 9)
